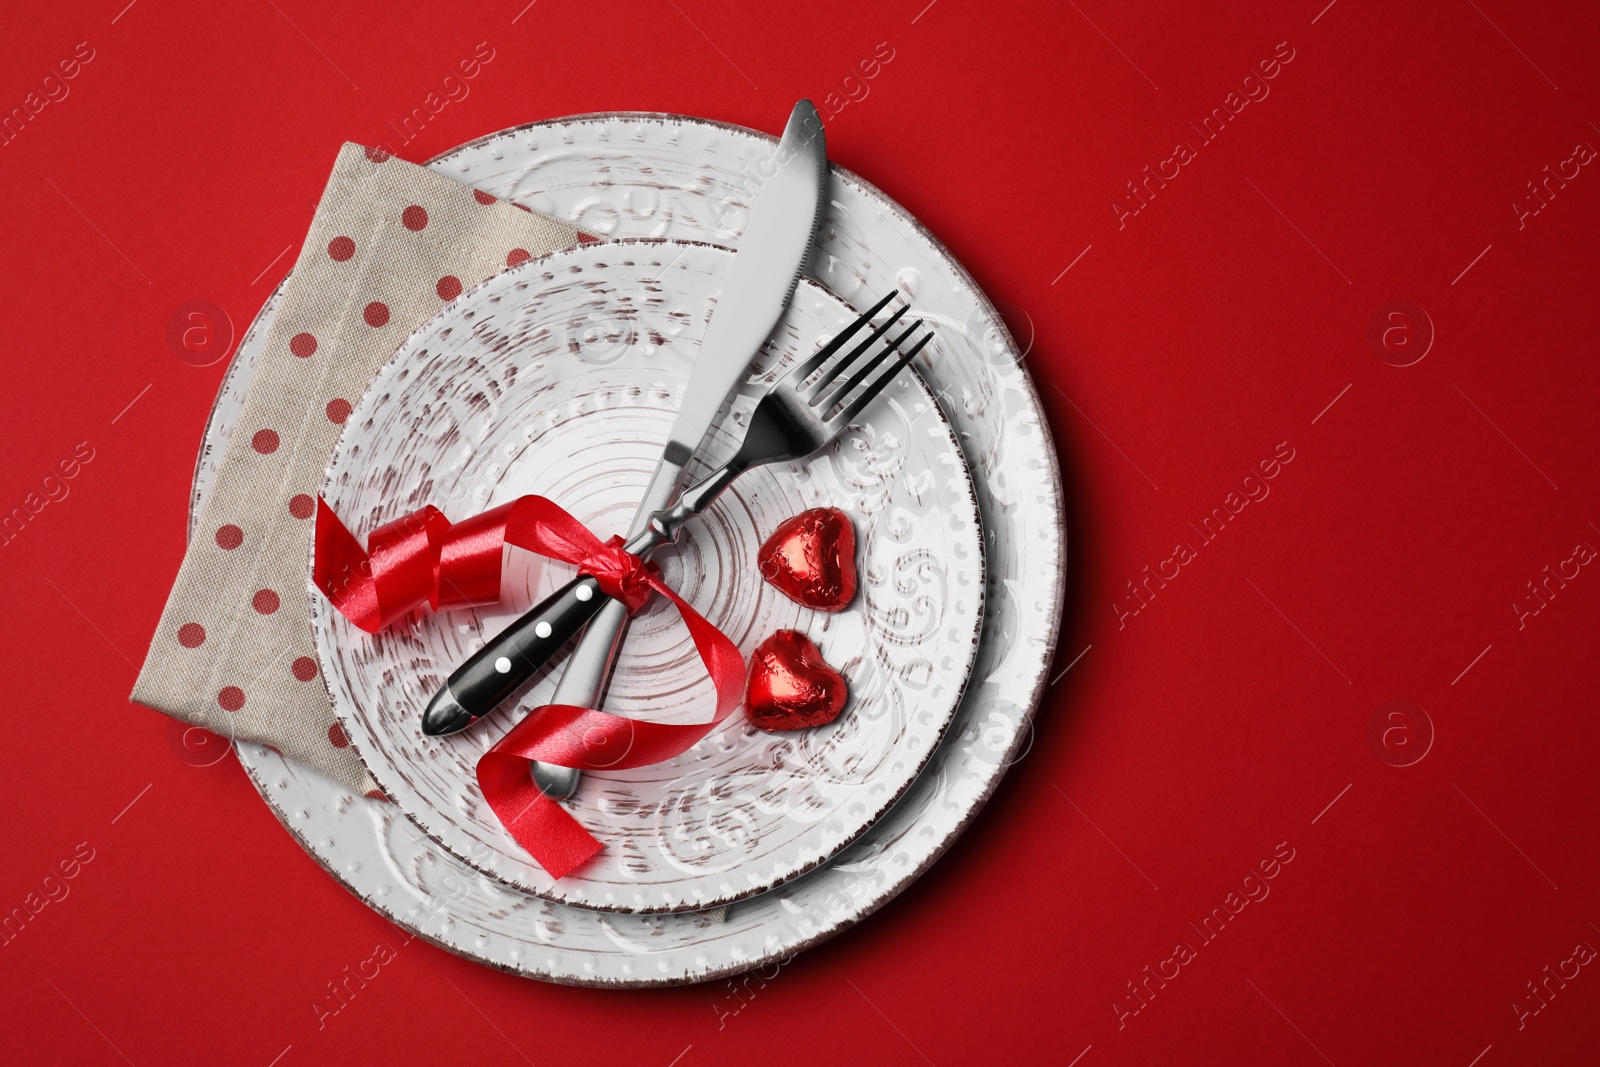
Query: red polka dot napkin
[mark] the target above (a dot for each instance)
(390, 243)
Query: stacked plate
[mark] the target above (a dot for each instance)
(561, 377)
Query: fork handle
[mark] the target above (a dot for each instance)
(666, 524)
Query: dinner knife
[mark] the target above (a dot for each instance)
(765, 270)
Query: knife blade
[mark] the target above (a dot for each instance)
(765, 270)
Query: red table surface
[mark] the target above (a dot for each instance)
(1222, 720)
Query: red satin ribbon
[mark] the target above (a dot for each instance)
(424, 559)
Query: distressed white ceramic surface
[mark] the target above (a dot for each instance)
(561, 378)
(692, 179)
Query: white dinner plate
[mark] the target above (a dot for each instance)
(560, 378)
(644, 175)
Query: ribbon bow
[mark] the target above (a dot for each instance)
(422, 558)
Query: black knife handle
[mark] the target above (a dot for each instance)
(516, 653)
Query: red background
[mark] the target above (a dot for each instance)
(1184, 745)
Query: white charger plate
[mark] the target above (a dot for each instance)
(642, 175)
(561, 377)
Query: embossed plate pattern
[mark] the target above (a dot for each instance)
(644, 175)
(560, 377)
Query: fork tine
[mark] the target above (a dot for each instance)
(874, 387)
(863, 369)
(804, 370)
(849, 360)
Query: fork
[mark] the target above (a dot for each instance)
(799, 414)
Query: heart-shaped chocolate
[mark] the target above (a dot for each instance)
(791, 686)
(811, 558)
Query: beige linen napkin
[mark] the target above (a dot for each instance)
(390, 243)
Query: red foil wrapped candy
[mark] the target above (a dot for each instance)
(811, 558)
(791, 686)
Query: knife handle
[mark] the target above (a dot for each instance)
(513, 656)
